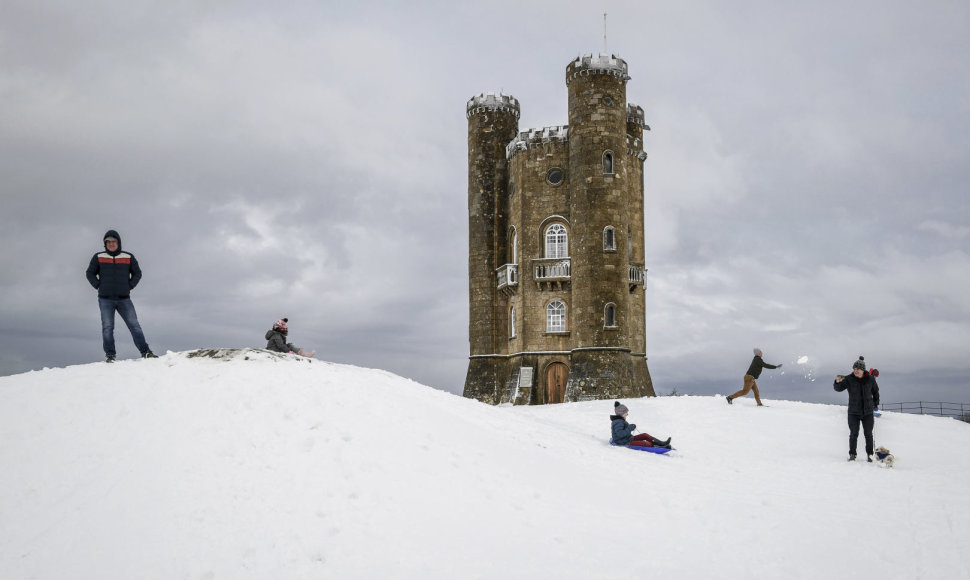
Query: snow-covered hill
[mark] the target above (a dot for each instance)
(256, 466)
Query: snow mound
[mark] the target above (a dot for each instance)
(238, 463)
(244, 354)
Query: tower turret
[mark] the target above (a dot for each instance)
(492, 124)
(600, 206)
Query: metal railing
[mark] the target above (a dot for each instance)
(956, 410)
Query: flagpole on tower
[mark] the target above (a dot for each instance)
(604, 34)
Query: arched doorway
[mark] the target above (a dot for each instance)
(556, 376)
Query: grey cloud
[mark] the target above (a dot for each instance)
(806, 185)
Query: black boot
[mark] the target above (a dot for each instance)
(658, 443)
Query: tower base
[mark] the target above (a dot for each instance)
(533, 379)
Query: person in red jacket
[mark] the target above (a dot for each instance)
(114, 274)
(754, 371)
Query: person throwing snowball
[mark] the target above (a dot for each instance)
(754, 371)
(863, 400)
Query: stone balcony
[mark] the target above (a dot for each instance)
(551, 273)
(508, 278)
(637, 276)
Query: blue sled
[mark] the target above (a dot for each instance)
(660, 450)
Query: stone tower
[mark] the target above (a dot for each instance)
(556, 260)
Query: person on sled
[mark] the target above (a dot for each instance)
(623, 431)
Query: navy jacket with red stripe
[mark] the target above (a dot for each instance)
(113, 274)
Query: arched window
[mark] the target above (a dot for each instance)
(608, 162)
(512, 322)
(629, 243)
(513, 253)
(556, 241)
(609, 316)
(556, 317)
(609, 239)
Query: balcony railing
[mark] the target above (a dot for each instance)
(508, 275)
(637, 276)
(548, 269)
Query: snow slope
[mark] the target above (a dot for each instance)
(283, 468)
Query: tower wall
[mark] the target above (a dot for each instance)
(533, 205)
(492, 123)
(599, 197)
(636, 156)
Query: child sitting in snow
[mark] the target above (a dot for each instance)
(276, 339)
(623, 431)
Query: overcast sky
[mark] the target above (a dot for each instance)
(806, 187)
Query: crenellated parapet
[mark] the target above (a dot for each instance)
(492, 102)
(634, 147)
(634, 115)
(533, 138)
(604, 64)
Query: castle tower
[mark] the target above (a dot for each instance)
(561, 315)
(493, 121)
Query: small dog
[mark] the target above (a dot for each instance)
(884, 457)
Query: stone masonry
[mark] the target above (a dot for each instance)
(556, 258)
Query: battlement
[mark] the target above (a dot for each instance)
(634, 114)
(492, 102)
(604, 64)
(634, 147)
(537, 138)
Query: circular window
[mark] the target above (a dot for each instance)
(555, 176)
(608, 101)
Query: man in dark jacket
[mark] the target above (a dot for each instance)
(863, 400)
(754, 371)
(114, 274)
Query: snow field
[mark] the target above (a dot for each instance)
(273, 468)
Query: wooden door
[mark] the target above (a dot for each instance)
(556, 375)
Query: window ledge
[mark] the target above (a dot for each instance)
(558, 333)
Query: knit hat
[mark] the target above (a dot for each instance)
(758, 352)
(874, 372)
(280, 325)
(620, 409)
(859, 364)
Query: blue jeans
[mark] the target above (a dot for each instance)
(127, 311)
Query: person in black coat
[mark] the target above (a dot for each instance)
(114, 274)
(863, 400)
